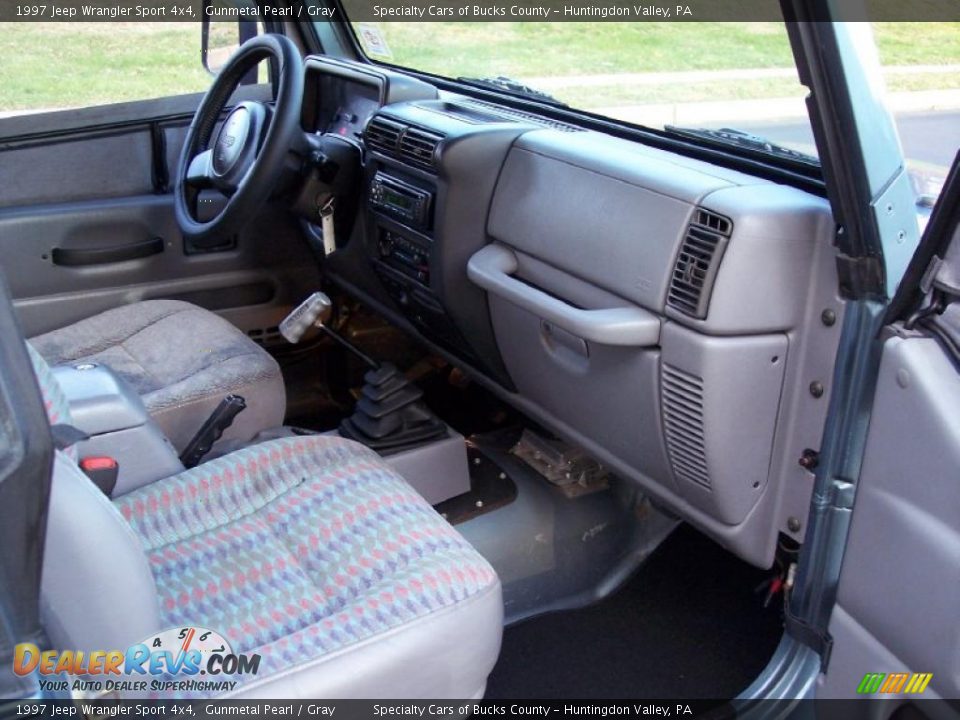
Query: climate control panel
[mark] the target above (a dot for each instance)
(406, 255)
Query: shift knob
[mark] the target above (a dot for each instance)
(315, 310)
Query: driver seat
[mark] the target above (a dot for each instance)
(181, 359)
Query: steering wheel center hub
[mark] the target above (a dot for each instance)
(231, 141)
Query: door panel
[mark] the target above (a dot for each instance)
(899, 590)
(271, 264)
(65, 170)
(105, 186)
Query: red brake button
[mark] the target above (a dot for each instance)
(102, 470)
(99, 463)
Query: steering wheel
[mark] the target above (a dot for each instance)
(247, 157)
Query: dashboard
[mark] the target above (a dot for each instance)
(653, 309)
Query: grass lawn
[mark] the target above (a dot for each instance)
(58, 65)
(54, 65)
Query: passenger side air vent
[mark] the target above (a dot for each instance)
(698, 262)
(383, 135)
(419, 148)
(682, 399)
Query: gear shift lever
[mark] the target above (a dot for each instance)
(315, 311)
(390, 414)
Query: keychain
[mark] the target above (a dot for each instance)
(327, 228)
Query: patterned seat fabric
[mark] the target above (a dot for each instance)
(297, 547)
(309, 551)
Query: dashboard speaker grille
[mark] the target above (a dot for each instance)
(498, 112)
(682, 399)
(419, 148)
(697, 263)
(383, 135)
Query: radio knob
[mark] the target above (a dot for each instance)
(386, 245)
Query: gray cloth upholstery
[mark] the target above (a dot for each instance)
(310, 552)
(181, 359)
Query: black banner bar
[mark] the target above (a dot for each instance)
(460, 709)
(464, 11)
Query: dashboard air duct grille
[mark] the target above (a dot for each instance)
(498, 112)
(383, 135)
(698, 262)
(419, 148)
(683, 425)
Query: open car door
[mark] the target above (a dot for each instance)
(894, 627)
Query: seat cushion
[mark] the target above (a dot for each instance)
(314, 553)
(181, 359)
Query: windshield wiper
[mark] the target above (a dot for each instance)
(512, 87)
(739, 138)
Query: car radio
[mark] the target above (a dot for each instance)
(401, 201)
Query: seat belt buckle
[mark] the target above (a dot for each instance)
(102, 470)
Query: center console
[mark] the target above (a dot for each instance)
(117, 424)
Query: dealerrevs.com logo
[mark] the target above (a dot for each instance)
(190, 659)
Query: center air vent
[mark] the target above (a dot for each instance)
(383, 135)
(698, 262)
(410, 145)
(419, 148)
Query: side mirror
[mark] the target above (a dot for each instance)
(222, 34)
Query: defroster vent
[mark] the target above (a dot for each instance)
(698, 262)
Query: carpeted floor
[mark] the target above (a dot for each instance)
(687, 625)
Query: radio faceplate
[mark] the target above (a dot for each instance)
(401, 201)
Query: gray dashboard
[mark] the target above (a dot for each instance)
(656, 310)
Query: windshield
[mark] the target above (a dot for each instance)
(646, 73)
(736, 76)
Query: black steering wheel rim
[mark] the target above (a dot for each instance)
(269, 159)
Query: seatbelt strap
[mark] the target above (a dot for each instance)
(65, 436)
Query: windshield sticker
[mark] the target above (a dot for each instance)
(373, 41)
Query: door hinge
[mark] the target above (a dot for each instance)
(939, 275)
(860, 277)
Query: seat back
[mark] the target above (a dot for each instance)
(96, 591)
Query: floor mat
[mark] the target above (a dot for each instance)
(688, 624)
